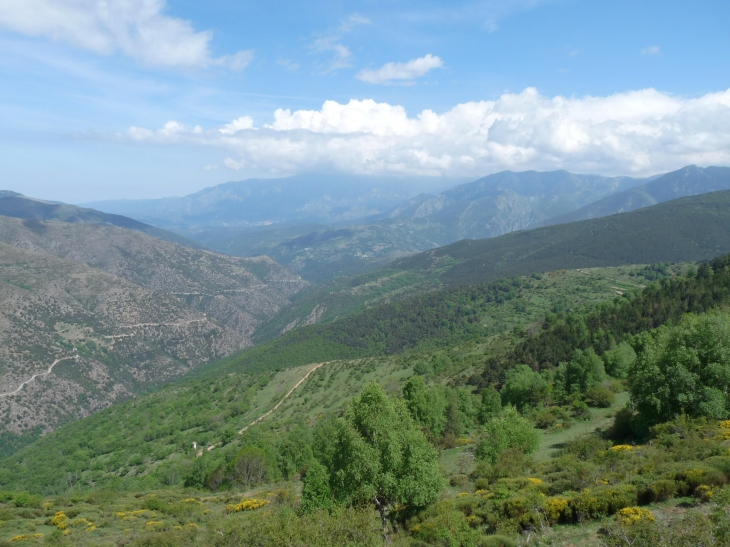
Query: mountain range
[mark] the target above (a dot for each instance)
(319, 249)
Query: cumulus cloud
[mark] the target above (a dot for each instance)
(651, 50)
(637, 132)
(411, 70)
(137, 28)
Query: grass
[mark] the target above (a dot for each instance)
(601, 418)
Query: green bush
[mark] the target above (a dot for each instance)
(497, 541)
(347, 528)
(600, 396)
(524, 387)
(509, 430)
(658, 490)
(604, 501)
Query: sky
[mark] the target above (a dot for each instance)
(109, 99)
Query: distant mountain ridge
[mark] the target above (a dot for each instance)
(509, 201)
(251, 202)
(488, 207)
(688, 181)
(13, 204)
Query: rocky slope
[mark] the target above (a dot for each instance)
(109, 338)
(236, 292)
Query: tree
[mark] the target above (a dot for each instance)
(506, 431)
(618, 360)
(523, 386)
(428, 406)
(381, 457)
(584, 371)
(490, 406)
(316, 492)
(683, 370)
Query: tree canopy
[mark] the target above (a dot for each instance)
(379, 456)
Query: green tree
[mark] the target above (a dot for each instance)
(584, 371)
(490, 406)
(618, 360)
(506, 431)
(523, 386)
(683, 370)
(381, 457)
(316, 492)
(428, 406)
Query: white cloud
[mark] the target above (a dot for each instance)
(651, 50)
(233, 164)
(210, 167)
(137, 28)
(331, 41)
(401, 71)
(239, 124)
(637, 132)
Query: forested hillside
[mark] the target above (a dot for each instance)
(699, 230)
(687, 229)
(437, 319)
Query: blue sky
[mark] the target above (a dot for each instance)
(138, 98)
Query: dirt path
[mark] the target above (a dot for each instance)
(178, 324)
(299, 383)
(263, 416)
(50, 369)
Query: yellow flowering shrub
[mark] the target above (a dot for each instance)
(725, 424)
(60, 521)
(634, 515)
(154, 523)
(704, 492)
(131, 515)
(463, 495)
(534, 481)
(23, 537)
(246, 505)
(190, 500)
(623, 448)
(557, 509)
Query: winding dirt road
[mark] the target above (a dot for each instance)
(299, 383)
(50, 369)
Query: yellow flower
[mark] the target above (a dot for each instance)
(622, 448)
(534, 481)
(246, 505)
(153, 523)
(463, 495)
(634, 515)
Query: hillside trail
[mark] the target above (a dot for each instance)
(50, 369)
(265, 415)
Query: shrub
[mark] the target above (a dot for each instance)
(600, 396)
(586, 447)
(523, 387)
(659, 490)
(509, 430)
(462, 481)
(592, 504)
(557, 509)
(630, 516)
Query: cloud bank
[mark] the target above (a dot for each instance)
(411, 70)
(638, 132)
(136, 28)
